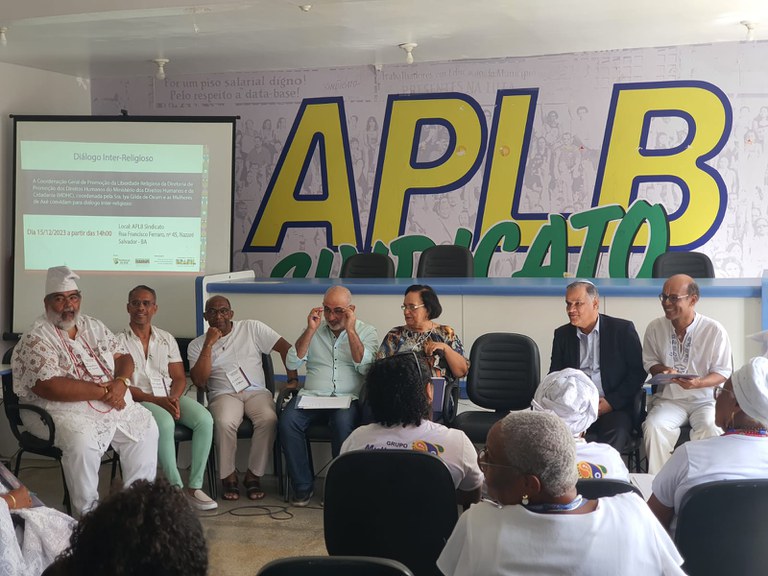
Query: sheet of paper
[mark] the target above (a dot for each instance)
(661, 379)
(324, 402)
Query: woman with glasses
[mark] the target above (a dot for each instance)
(422, 334)
(741, 409)
(539, 524)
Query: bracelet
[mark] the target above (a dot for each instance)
(124, 380)
(12, 498)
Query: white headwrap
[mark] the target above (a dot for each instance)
(750, 385)
(571, 395)
(60, 279)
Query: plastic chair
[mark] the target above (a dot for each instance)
(503, 376)
(334, 566)
(446, 261)
(398, 504)
(721, 528)
(695, 264)
(369, 265)
(592, 488)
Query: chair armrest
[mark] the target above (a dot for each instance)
(450, 402)
(44, 416)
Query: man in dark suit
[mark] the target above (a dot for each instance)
(607, 350)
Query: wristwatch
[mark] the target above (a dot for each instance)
(126, 381)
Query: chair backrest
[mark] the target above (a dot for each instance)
(446, 261)
(592, 488)
(334, 566)
(397, 504)
(369, 265)
(183, 345)
(10, 399)
(503, 371)
(695, 264)
(722, 528)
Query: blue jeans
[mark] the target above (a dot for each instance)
(293, 426)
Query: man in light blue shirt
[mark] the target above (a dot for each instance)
(337, 354)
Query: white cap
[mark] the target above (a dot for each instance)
(571, 395)
(750, 385)
(60, 279)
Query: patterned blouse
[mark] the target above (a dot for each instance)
(402, 339)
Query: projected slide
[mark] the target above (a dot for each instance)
(105, 206)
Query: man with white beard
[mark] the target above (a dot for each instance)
(72, 366)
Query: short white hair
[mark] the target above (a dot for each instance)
(538, 443)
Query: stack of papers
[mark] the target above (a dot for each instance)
(661, 379)
(324, 402)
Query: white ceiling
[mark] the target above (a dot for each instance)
(97, 38)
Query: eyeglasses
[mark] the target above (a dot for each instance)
(218, 311)
(59, 299)
(482, 461)
(717, 391)
(336, 311)
(139, 303)
(411, 307)
(673, 298)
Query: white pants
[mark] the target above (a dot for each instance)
(661, 428)
(81, 463)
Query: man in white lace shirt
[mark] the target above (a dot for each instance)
(72, 366)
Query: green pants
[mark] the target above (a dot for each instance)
(195, 416)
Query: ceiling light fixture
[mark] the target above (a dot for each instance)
(305, 7)
(408, 48)
(750, 26)
(160, 72)
(3, 37)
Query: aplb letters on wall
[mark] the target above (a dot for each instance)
(619, 222)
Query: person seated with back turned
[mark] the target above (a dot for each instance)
(683, 342)
(539, 524)
(226, 361)
(159, 384)
(572, 396)
(741, 409)
(608, 351)
(399, 392)
(72, 366)
(337, 354)
(147, 530)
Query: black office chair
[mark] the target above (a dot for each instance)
(245, 430)
(503, 375)
(369, 265)
(593, 488)
(632, 453)
(334, 566)
(446, 261)
(721, 528)
(695, 264)
(397, 504)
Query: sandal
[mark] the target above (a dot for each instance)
(253, 487)
(231, 491)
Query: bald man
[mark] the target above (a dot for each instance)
(683, 342)
(337, 353)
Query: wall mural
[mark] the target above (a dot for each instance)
(581, 165)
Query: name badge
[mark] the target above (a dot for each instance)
(91, 365)
(237, 379)
(159, 387)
